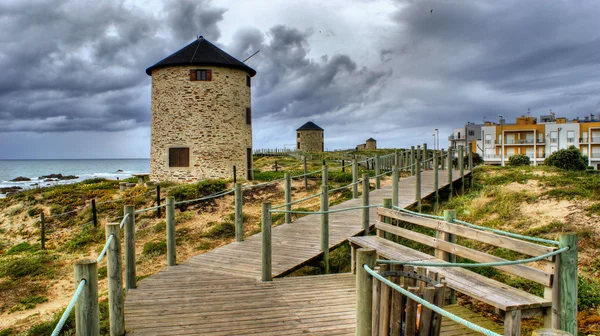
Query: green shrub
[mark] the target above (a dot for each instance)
(28, 303)
(36, 265)
(87, 236)
(220, 230)
(46, 328)
(7, 332)
(34, 211)
(22, 247)
(198, 190)
(160, 227)
(588, 294)
(183, 217)
(568, 159)
(519, 160)
(154, 248)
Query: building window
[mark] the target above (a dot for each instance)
(553, 137)
(570, 136)
(248, 116)
(471, 133)
(298, 135)
(248, 81)
(298, 146)
(200, 75)
(179, 157)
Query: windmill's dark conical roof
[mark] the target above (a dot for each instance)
(371, 139)
(309, 126)
(201, 52)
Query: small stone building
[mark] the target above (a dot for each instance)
(201, 115)
(309, 138)
(371, 144)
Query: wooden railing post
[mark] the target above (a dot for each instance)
(325, 226)
(442, 159)
(450, 168)
(305, 176)
(42, 231)
(94, 213)
(461, 166)
(158, 201)
(365, 203)
(239, 215)
(114, 269)
(354, 178)
(130, 280)
(266, 242)
(424, 157)
(436, 180)
(568, 283)
(396, 158)
(395, 178)
(364, 291)
(471, 164)
(87, 314)
(171, 250)
(449, 216)
(377, 172)
(324, 175)
(287, 195)
(412, 160)
(418, 184)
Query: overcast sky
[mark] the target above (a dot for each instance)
(73, 83)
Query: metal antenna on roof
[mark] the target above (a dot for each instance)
(528, 112)
(249, 57)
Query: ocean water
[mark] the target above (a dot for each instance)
(85, 169)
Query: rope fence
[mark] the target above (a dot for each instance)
(473, 226)
(67, 312)
(426, 304)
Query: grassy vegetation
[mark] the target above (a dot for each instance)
(507, 198)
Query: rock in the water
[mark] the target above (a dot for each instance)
(120, 171)
(10, 190)
(21, 179)
(59, 177)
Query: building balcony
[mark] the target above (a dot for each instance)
(518, 142)
(455, 138)
(586, 140)
(506, 157)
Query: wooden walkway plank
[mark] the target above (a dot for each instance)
(219, 292)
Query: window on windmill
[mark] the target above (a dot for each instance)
(248, 116)
(248, 81)
(179, 157)
(201, 75)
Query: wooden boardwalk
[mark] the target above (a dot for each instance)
(219, 292)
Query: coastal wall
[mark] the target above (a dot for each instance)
(310, 141)
(208, 117)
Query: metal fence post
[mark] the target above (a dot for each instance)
(568, 283)
(325, 226)
(114, 268)
(130, 280)
(42, 231)
(364, 291)
(171, 252)
(87, 314)
(266, 242)
(365, 203)
(94, 213)
(239, 215)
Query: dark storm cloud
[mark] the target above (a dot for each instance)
(292, 85)
(79, 65)
(475, 59)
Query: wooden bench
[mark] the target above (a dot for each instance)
(511, 303)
